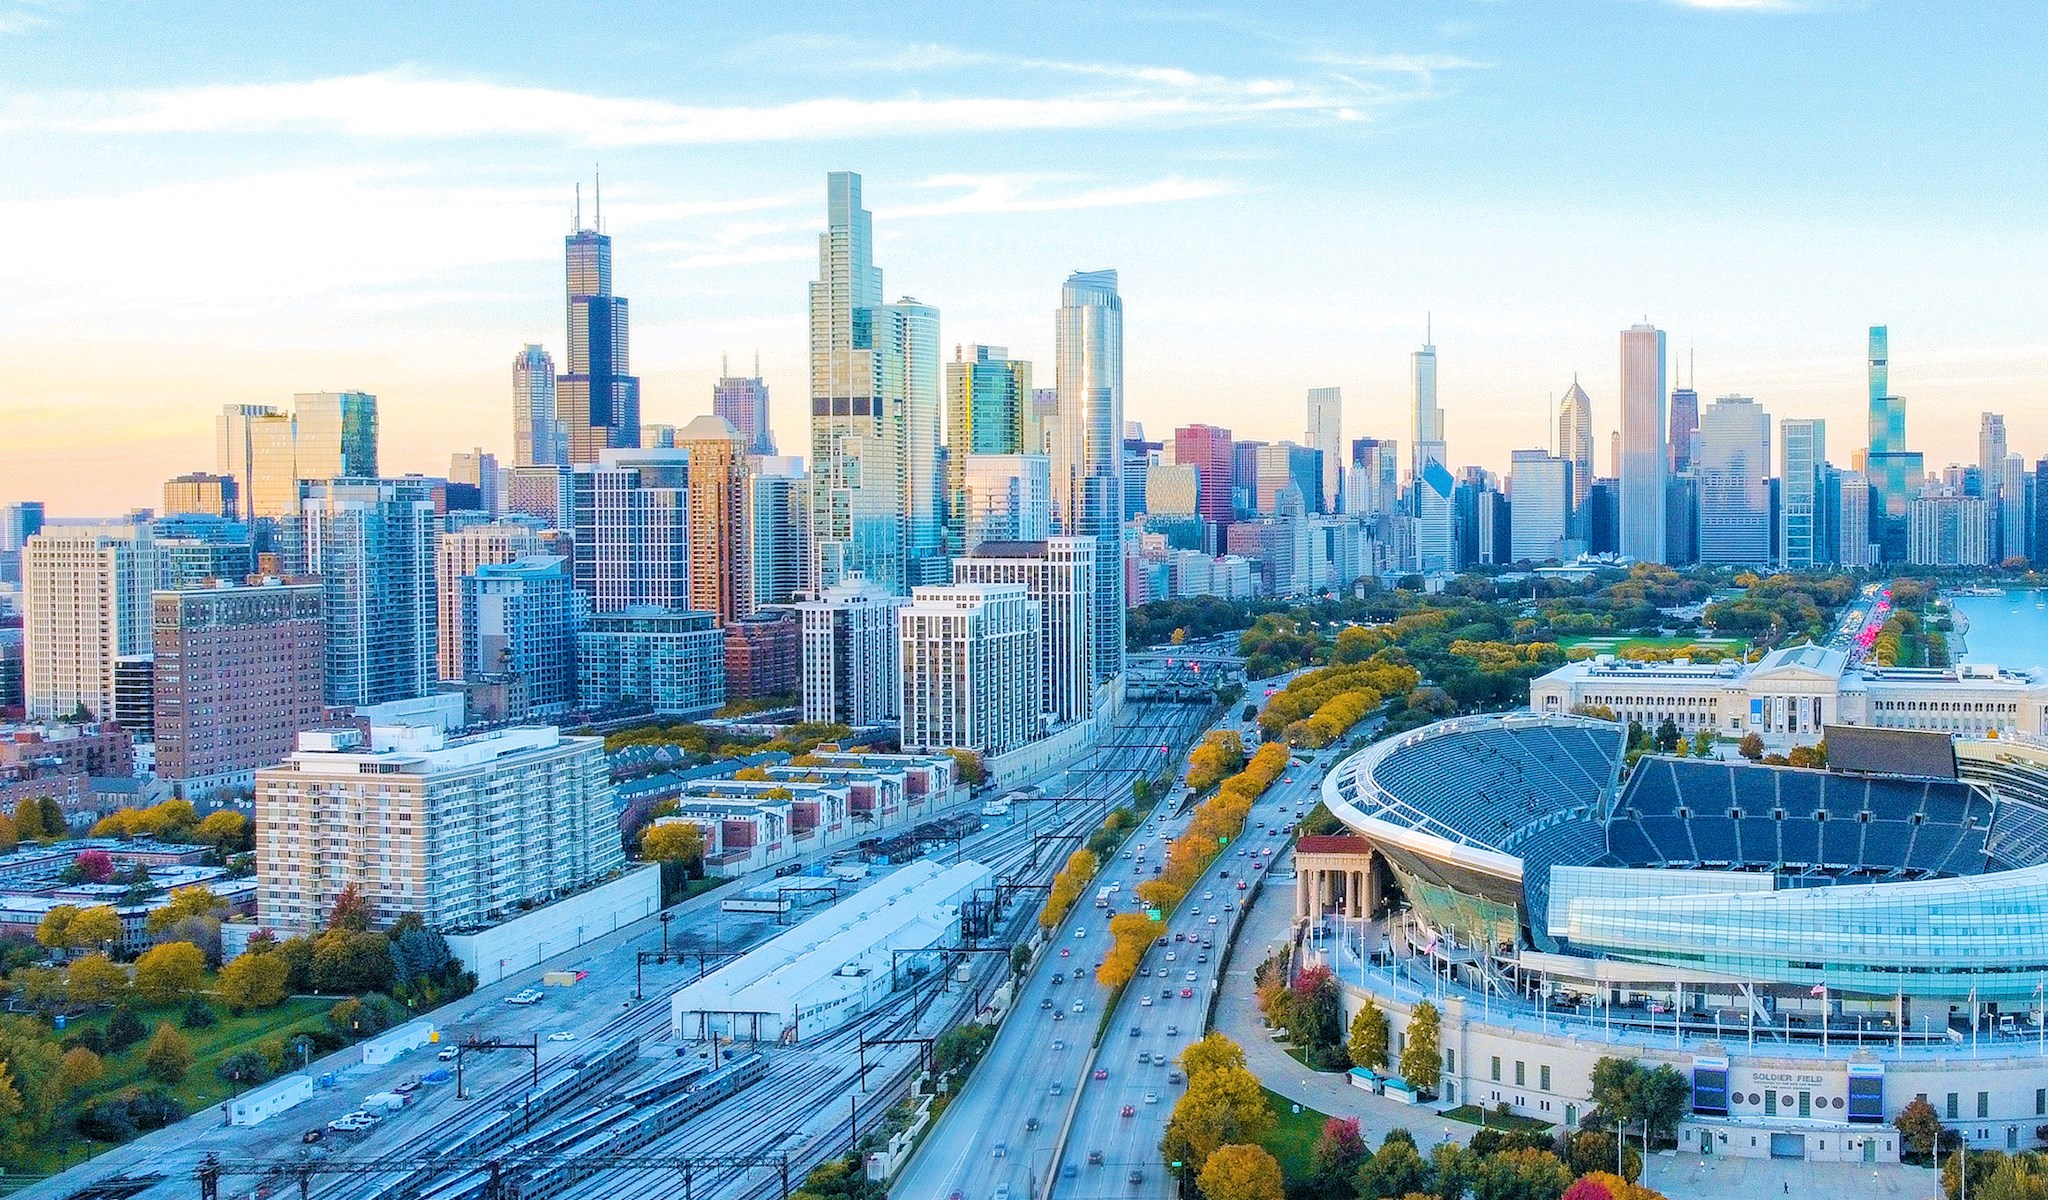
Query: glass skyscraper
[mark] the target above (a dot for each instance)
(598, 400)
(1087, 457)
(1643, 463)
(1734, 472)
(1325, 435)
(537, 436)
(1803, 534)
(743, 400)
(988, 397)
(1894, 472)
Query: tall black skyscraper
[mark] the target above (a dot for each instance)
(598, 401)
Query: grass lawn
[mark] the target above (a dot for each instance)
(63, 1147)
(1472, 1114)
(1294, 1135)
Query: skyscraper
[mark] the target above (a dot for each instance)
(1058, 574)
(1734, 471)
(1894, 472)
(474, 475)
(906, 336)
(517, 619)
(970, 668)
(779, 526)
(1207, 449)
(1427, 424)
(1685, 426)
(457, 556)
(372, 542)
(538, 439)
(857, 442)
(987, 397)
(1087, 458)
(1542, 498)
(743, 401)
(85, 604)
(198, 493)
(2015, 521)
(1374, 488)
(238, 674)
(334, 435)
(630, 513)
(1326, 436)
(1575, 445)
(1643, 462)
(598, 400)
(849, 654)
(1005, 498)
(1990, 445)
(1802, 509)
(719, 497)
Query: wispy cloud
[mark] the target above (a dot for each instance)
(1763, 6)
(400, 104)
(18, 21)
(1017, 193)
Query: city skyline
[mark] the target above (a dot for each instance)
(144, 342)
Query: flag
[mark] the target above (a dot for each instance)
(1819, 989)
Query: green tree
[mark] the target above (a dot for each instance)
(1667, 736)
(54, 930)
(244, 1068)
(353, 962)
(1523, 1174)
(1422, 1055)
(169, 974)
(168, 1056)
(253, 981)
(124, 1029)
(1334, 1161)
(1367, 1044)
(1240, 1172)
(1703, 743)
(1397, 1170)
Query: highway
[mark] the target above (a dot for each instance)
(1003, 1130)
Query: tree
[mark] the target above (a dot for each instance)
(77, 1070)
(1367, 1044)
(1222, 1106)
(297, 953)
(195, 901)
(1332, 1165)
(1214, 1052)
(1524, 1174)
(169, 974)
(1667, 736)
(28, 820)
(351, 912)
(1663, 1101)
(124, 1029)
(54, 930)
(1422, 1056)
(97, 979)
(1239, 1172)
(1593, 1150)
(1919, 1126)
(673, 841)
(253, 981)
(968, 767)
(203, 932)
(94, 866)
(1703, 743)
(1397, 1170)
(353, 962)
(168, 1056)
(98, 926)
(244, 1068)
(1751, 747)
(225, 830)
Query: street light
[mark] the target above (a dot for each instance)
(666, 917)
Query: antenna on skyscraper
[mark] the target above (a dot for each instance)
(723, 372)
(578, 225)
(757, 364)
(597, 174)
(1428, 329)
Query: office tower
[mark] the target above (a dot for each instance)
(1284, 465)
(18, 523)
(1946, 529)
(906, 336)
(1005, 498)
(849, 654)
(1894, 472)
(238, 673)
(1856, 543)
(2040, 509)
(1543, 485)
(598, 400)
(457, 556)
(334, 435)
(200, 493)
(1326, 437)
(462, 832)
(1426, 424)
(719, 500)
(2015, 522)
(1244, 478)
(1373, 487)
(518, 619)
(1575, 445)
(1207, 449)
(670, 661)
(763, 656)
(630, 514)
(1990, 445)
(1139, 457)
(1087, 460)
(1603, 525)
(477, 475)
(743, 401)
(779, 526)
(856, 456)
(1682, 519)
(1802, 507)
(200, 552)
(1435, 524)
(1035, 434)
(538, 492)
(1642, 461)
(372, 543)
(538, 438)
(1058, 575)
(1685, 428)
(988, 395)
(238, 447)
(1733, 476)
(85, 596)
(970, 660)
(1172, 494)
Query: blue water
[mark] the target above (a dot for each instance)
(2009, 630)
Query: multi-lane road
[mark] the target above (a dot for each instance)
(1035, 1113)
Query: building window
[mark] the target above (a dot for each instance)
(2041, 1102)
(1952, 1110)
(1983, 1105)
(1543, 1078)
(1496, 1068)
(1521, 1073)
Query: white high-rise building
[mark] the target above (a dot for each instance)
(1945, 529)
(630, 513)
(1540, 522)
(1087, 457)
(2015, 529)
(1990, 447)
(459, 554)
(779, 522)
(461, 832)
(538, 438)
(1326, 437)
(1854, 546)
(970, 658)
(1575, 444)
(1058, 573)
(1426, 426)
(1802, 507)
(1005, 498)
(85, 604)
(1643, 462)
(906, 336)
(850, 654)
(372, 542)
(1734, 471)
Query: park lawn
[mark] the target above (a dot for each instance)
(1293, 1140)
(1472, 1114)
(62, 1146)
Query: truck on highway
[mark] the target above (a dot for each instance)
(1102, 897)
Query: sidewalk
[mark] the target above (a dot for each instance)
(1237, 1017)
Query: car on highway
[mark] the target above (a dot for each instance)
(1145, 1001)
(1137, 1032)
(1207, 896)
(1173, 1031)
(1055, 1089)
(1130, 1110)
(1058, 1044)
(1059, 977)
(1151, 1097)
(1170, 955)
(1080, 1006)
(1166, 993)
(1201, 958)
(1176, 1077)
(1212, 920)
(1046, 1004)
(1066, 953)
(1095, 1158)
(1031, 1124)
(1240, 885)
(1058, 1015)
(1144, 1057)
(1187, 993)
(1135, 1176)
(1080, 932)
(1002, 1149)
(1101, 1073)
(1192, 976)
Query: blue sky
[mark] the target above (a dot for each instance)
(220, 204)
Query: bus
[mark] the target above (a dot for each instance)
(1102, 898)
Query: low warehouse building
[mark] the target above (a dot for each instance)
(258, 1105)
(835, 966)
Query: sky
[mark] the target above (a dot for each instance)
(214, 203)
